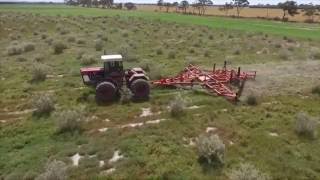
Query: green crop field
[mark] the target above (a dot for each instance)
(300, 30)
(51, 126)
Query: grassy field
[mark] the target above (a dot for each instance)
(276, 28)
(41, 54)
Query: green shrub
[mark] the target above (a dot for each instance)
(177, 106)
(211, 148)
(125, 96)
(39, 73)
(55, 170)
(284, 54)
(28, 47)
(14, 50)
(305, 125)
(247, 172)
(44, 36)
(87, 59)
(99, 45)
(252, 100)
(43, 104)
(58, 47)
(71, 39)
(316, 90)
(171, 55)
(315, 55)
(69, 121)
(81, 41)
(159, 51)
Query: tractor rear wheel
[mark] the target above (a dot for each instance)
(140, 89)
(105, 91)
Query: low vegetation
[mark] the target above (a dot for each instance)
(306, 125)
(246, 171)
(43, 104)
(40, 121)
(69, 121)
(177, 106)
(211, 148)
(55, 170)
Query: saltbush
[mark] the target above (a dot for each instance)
(39, 73)
(252, 100)
(58, 47)
(28, 47)
(55, 170)
(87, 59)
(43, 104)
(305, 125)
(69, 121)
(247, 172)
(177, 106)
(211, 148)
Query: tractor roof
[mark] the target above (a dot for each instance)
(108, 58)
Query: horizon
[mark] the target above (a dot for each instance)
(216, 2)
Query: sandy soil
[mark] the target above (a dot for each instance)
(291, 77)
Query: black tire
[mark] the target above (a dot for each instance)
(106, 92)
(140, 89)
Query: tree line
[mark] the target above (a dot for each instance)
(101, 4)
(199, 7)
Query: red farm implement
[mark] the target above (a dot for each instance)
(222, 82)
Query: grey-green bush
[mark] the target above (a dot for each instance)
(14, 50)
(43, 104)
(252, 100)
(316, 90)
(39, 73)
(59, 47)
(69, 121)
(211, 148)
(99, 45)
(87, 59)
(125, 96)
(28, 47)
(177, 106)
(247, 172)
(55, 170)
(306, 125)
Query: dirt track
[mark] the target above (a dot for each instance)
(292, 77)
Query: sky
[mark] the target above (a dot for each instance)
(252, 2)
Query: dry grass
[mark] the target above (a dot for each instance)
(246, 12)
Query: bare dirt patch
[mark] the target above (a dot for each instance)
(287, 78)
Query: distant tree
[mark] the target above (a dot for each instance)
(95, 3)
(176, 5)
(130, 6)
(240, 4)
(226, 7)
(184, 5)
(288, 7)
(160, 4)
(310, 10)
(167, 5)
(119, 6)
(201, 6)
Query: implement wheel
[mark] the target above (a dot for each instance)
(106, 92)
(140, 89)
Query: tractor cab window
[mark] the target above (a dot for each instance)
(113, 66)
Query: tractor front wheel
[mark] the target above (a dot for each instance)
(105, 92)
(140, 89)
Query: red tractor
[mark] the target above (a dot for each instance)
(109, 79)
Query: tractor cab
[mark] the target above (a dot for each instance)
(112, 65)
